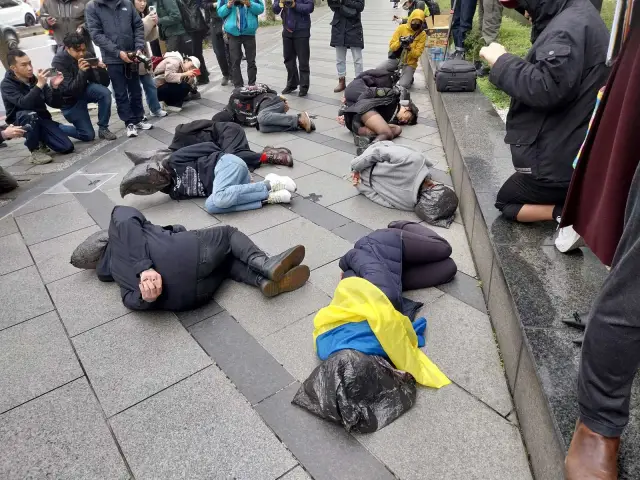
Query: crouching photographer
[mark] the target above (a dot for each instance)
(175, 78)
(406, 47)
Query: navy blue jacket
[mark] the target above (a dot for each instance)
(115, 27)
(296, 21)
(377, 258)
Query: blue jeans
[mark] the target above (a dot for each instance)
(126, 87)
(44, 130)
(232, 188)
(150, 91)
(341, 60)
(78, 115)
(273, 119)
(462, 21)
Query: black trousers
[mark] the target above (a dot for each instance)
(296, 53)
(180, 43)
(221, 49)
(196, 48)
(522, 189)
(156, 51)
(173, 94)
(223, 253)
(235, 52)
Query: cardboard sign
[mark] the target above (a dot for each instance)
(438, 26)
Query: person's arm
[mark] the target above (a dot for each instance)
(357, 5)
(132, 299)
(276, 7)
(172, 14)
(304, 6)
(193, 153)
(138, 31)
(129, 223)
(71, 85)
(394, 43)
(94, 25)
(172, 72)
(29, 101)
(552, 80)
(223, 9)
(372, 157)
(417, 47)
(257, 7)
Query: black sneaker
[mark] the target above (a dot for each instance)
(106, 134)
(457, 55)
(361, 142)
(303, 92)
(288, 90)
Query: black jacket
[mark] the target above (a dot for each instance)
(376, 77)
(18, 96)
(135, 245)
(192, 170)
(554, 88)
(346, 26)
(385, 101)
(75, 80)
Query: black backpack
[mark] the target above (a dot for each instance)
(244, 103)
(192, 18)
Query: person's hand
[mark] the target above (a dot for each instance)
(286, 106)
(154, 17)
(340, 120)
(101, 65)
(125, 58)
(189, 74)
(355, 178)
(51, 21)
(80, 30)
(83, 65)
(57, 80)
(150, 285)
(12, 132)
(492, 53)
(41, 75)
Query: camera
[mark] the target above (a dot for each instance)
(140, 58)
(288, 3)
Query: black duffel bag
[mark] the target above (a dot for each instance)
(456, 75)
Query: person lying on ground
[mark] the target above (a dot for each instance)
(262, 107)
(175, 78)
(85, 81)
(26, 96)
(553, 91)
(171, 268)
(7, 132)
(406, 47)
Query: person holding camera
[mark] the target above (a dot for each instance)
(85, 81)
(117, 29)
(347, 33)
(240, 23)
(175, 78)
(220, 46)
(296, 31)
(26, 96)
(64, 17)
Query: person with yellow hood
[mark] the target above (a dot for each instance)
(406, 47)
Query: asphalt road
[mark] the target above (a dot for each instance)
(39, 50)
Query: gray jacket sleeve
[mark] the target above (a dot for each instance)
(94, 25)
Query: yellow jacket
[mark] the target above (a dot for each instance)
(356, 300)
(417, 47)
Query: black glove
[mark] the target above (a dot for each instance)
(406, 41)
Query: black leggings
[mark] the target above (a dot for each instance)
(521, 189)
(173, 94)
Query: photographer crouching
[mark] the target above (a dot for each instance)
(175, 78)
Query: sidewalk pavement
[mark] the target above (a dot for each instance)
(92, 390)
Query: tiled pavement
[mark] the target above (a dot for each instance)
(89, 389)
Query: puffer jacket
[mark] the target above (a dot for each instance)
(233, 16)
(296, 20)
(391, 174)
(417, 46)
(69, 15)
(346, 26)
(169, 70)
(554, 88)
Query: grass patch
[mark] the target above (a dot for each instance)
(269, 23)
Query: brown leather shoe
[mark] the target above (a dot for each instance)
(342, 84)
(278, 156)
(591, 456)
(305, 123)
(292, 280)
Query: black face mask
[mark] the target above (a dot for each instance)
(415, 26)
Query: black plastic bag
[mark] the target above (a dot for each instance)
(7, 182)
(148, 174)
(88, 253)
(362, 392)
(437, 205)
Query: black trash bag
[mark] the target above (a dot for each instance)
(7, 182)
(362, 392)
(437, 205)
(88, 253)
(147, 176)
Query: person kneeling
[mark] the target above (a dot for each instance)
(171, 268)
(85, 81)
(175, 78)
(406, 47)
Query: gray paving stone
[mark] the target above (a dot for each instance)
(441, 177)
(36, 357)
(43, 201)
(293, 347)
(52, 256)
(457, 437)
(466, 289)
(170, 122)
(253, 221)
(433, 139)
(254, 372)
(348, 147)
(182, 213)
(325, 449)
(59, 435)
(200, 428)
(322, 246)
(264, 139)
(460, 341)
(318, 214)
(417, 132)
(327, 277)
(141, 202)
(303, 149)
(7, 226)
(52, 222)
(191, 317)
(299, 169)
(424, 295)
(325, 189)
(262, 316)
(137, 355)
(85, 302)
(352, 232)
(340, 132)
(362, 210)
(457, 237)
(337, 163)
(327, 111)
(14, 254)
(22, 296)
(297, 473)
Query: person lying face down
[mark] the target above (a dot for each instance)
(171, 268)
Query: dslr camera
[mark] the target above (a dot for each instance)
(140, 58)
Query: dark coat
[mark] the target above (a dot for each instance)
(115, 26)
(296, 21)
(600, 186)
(75, 80)
(385, 101)
(346, 26)
(18, 96)
(135, 245)
(192, 170)
(554, 87)
(376, 77)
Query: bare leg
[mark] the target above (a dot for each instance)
(535, 213)
(374, 122)
(396, 129)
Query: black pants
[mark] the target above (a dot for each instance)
(180, 43)
(127, 91)
(223, 253)
(292, 49)
(196, 48)
(156, 51)
(235, 52)
(522, 189)
(221, 50)
(611, 349)
(173, 94)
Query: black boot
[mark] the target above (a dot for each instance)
(292, 280)
(275, 267)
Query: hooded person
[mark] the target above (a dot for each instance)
(553, 91)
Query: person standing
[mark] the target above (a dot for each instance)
(296, 32)
(171, 27)
(196, 27)
(116, 28)
(490, 17)
(462, 23)
(347, 33)
(220, 46)
(63, 17)
(240, 23)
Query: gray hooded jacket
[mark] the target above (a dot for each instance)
(391, 174)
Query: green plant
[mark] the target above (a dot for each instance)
(268, 8)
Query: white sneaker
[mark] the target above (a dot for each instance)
(280, 196)
(160, 113)
(171, 109)
(132, 131)
(568, 239)
(143, 125)
(281, 183)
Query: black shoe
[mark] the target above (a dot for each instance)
(292, 280)
(193, 96)
(278, 156)
(275, 267)
(482, 70)
(457, 55)
(203, 80)
(288, 90)
(303, 92)
(361, 142)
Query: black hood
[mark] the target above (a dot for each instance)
(542, 12)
